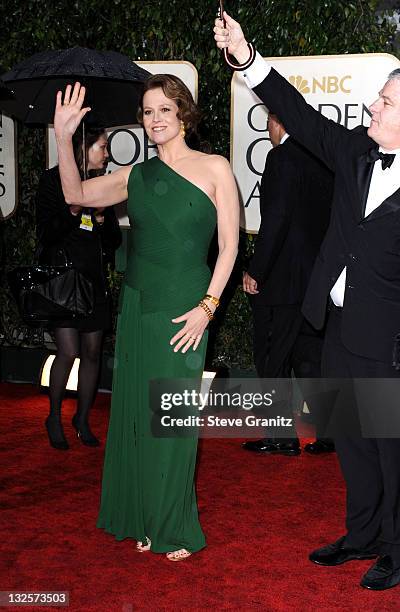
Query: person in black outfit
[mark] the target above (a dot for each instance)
(89, 240)
(295, 200)
(356, 275)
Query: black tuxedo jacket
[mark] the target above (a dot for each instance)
(369, 247)
(295, 199)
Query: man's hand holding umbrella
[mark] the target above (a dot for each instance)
(229, 35)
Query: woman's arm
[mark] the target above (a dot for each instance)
(228, 224)
(227, 202)
(94, 193)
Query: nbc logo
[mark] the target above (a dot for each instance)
(327, 84)
(300, 84)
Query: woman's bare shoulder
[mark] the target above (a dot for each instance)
(214, 161)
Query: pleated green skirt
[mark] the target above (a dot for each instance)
(148, 482)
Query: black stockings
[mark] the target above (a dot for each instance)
(73, 343)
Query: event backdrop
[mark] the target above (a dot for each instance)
(341, 87)
(8, 167)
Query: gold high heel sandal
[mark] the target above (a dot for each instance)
(140, 547)
(178, 555)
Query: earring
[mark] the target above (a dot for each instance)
(183, 131)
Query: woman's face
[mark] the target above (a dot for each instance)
(98, 154)
(160, 116)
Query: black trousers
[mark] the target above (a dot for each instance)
(284, 341)
(370, 466)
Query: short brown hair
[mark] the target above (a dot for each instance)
(174, 89)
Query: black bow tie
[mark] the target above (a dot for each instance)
(387, 159)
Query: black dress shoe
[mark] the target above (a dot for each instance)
(320, 446)
(84, 434)
(382, 575)
(55, 432)
(338, 553)
(273, 447)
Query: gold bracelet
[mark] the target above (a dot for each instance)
(212, 299)
(207, 310)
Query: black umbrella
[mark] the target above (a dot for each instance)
(5, 93)
(113, 85)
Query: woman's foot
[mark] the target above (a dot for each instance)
(83, 432)
(140, 547)
(178, 555)
(55, 432)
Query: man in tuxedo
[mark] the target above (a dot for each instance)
(295, 199)
(357, 273)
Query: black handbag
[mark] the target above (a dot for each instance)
(47, 293)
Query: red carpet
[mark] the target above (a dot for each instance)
(261, 516)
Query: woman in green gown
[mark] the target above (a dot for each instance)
(174, 202)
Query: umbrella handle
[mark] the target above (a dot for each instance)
(84, 152)
(228, 58)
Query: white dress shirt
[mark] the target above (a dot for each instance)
(383, 182)
(256, 73)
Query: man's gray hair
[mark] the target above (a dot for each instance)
(395, 74)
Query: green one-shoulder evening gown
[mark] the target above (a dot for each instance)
(148, 482)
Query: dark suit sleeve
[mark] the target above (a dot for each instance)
(280, 186)
(326, 139)
(54, 220)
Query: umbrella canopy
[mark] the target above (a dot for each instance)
(113, 85)
(5, 93)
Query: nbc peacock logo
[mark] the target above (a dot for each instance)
(329, 84)
(300, 83)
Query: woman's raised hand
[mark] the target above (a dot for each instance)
(69, 112)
